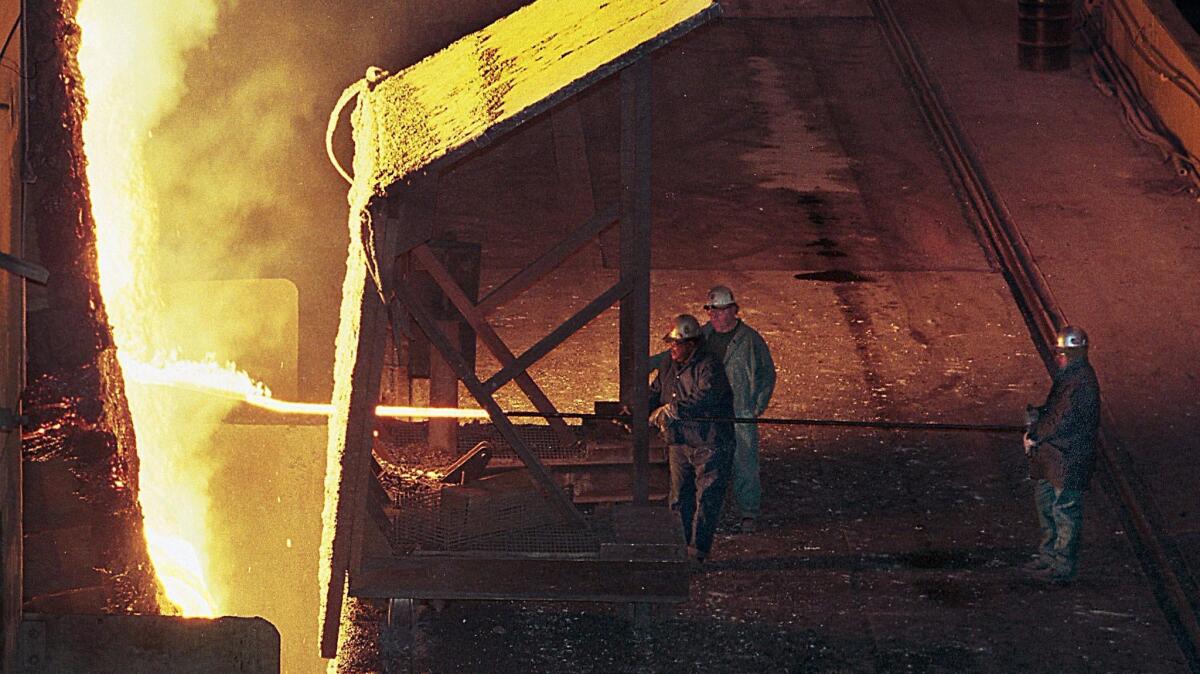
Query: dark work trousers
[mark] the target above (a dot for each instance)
(698, 479)
(1060, 514)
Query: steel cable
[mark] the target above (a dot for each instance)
(780, 421)
(1114, 79)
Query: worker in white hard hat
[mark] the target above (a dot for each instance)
(751, 373)
(1061, 445)
(692, 404)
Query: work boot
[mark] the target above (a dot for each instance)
(747, 526)
(1036, 565)
(1052, 576)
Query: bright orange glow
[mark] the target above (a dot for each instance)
(388, 411)
(229, 384)
(131, 61)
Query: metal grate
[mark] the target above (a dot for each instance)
(463, 519)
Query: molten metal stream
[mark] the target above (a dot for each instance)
(390, 411)
(131, 62)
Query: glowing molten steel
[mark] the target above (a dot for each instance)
(227, 382)
(131, 61)
(130, 58)
(392, 411)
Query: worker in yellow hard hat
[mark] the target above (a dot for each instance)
(692, 405)
(1061, 445)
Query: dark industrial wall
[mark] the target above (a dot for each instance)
(1191, 11)
(84, 548)
(433, 24)
(12, 355)
(1156, 44)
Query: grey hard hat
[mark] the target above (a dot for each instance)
(719, 298)
(686, 327)
(1071, 337)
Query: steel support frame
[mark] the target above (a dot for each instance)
(402, 225)
(446, 283)
(632, 291)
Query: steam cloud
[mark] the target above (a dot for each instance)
(212, 112)
(236, 164)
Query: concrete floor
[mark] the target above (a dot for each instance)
(786, 149)
(1113, 229)
(791, 164)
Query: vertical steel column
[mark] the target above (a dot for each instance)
(635, 264)
(443, 392)
(12, 337)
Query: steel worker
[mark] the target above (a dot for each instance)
(751, 374)
(1061, 444)
(688, 393)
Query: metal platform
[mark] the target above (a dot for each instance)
(405, 135)
(628, 553)
(489, 531)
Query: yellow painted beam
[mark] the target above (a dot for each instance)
(460, 94)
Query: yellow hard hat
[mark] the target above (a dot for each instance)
(1071, 337)
(686, 327)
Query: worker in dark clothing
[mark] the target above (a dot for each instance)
(1065, 426)
(688, 388)
(751, 374)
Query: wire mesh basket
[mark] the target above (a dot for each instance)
(459, 519)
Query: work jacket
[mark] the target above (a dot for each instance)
(697, 389)
(1070, 419)
(750, 370)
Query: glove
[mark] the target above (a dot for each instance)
(1031, 416)
(622, 419)
(663, 416)
(1030, 445)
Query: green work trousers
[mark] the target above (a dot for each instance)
(747, 488)
(1060, 515)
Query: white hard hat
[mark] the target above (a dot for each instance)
(686, 327)
(1071, 337)
(719, 298)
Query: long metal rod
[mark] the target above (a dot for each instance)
(1043, 314)
(315, 413)
(779, 421)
